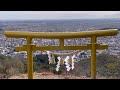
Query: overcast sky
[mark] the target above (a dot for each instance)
(38, 15)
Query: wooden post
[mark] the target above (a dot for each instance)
(30, 58)
(93, 57)
(61, 41)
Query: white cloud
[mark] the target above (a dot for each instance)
(12, 15)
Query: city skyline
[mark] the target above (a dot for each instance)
(55, 15)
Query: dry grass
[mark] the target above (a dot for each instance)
(46, 75)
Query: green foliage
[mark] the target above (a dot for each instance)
(41, 59)
(108, 65)
(112, 65)
(41, 63)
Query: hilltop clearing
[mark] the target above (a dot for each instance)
(48, 75)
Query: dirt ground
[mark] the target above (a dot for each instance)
(46, 75)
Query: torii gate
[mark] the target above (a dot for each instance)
(29, 47)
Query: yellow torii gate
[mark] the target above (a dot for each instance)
(29, 47)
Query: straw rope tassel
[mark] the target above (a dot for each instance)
(61, 60)
(52, 61)
(70, 60)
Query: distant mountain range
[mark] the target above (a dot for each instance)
(109, 28)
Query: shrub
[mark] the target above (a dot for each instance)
(112, 65)
(10, 66)
(58, 72)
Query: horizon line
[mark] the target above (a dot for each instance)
(54, 19)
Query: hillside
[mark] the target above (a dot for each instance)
(108, 66)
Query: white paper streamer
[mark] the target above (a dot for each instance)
(73, 59)
(67, 64)
(58, 64)
(49, 56)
